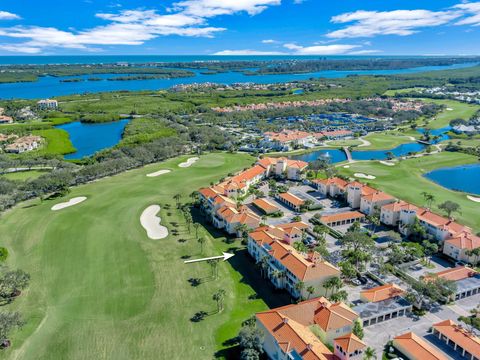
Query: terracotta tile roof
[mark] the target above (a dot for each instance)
(455, 274)
(350, 343)
(341, 216)
(332, 181)
(222, 199)
(208, 193)
(293, 227)
(376, 196)
(398, 206)
(265, 205)
(460, 336)
(381, 293)
(334, 133)
(243, 216)
(441, 222)
(290, 335)
(465, 240)
(297, 164)
(287, 135)
(292, 199)
(267, 161)
(303, 268)
(290, 325)
(249, 174)
(418, 347)
(334, 316)
(366, 190)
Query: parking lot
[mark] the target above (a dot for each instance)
(438, 264)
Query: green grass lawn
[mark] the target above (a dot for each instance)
(342, 143)
(57, 142)
(386, 140)
(101, 289)
(405, 181)
(24, 175)
(459, 110)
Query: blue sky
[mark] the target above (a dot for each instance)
(240, 27)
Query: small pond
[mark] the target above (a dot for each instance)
(464, 178)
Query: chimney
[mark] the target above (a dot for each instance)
(285, 320)
(309, 346)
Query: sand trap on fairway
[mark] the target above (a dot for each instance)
(473, 198)
(189, 162)
(387, 163)
(346, 166)
(449, 109)
(158, 173)
(364, 176)
(151, 223)
(69, 203)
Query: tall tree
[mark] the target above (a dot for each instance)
(218, 297)
(202, 242)
(449, 207)
(370, 353)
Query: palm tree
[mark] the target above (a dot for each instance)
(276, 274)
(214, 265)
(201, 241)
(370, 354)
(429, 198)
(264, 265)
(196, 226)
(177, 199)
(310, 291)
(218, 297)
(299, 286)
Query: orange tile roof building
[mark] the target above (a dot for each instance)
(289, 331)
(288, 233)
(283, 167)
(382, 303)
(416, 348)
(285, 267)
(355, 191)
(372, 203)
(236, 220)
(265, 206)
(349, 347)
(460, 246)
(467, 280)
(332, 187)
(462, 341)
(344, 218)
(291, 200)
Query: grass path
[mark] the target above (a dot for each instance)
(454, 110)
(405, 180)
(101, 289)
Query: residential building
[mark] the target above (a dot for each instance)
(287, 139)
(265, 206)
(382, 303)
(413, 347)
(47, 104)
(286, 267)
(6, 119)
(390, 213)
(295, 331)
(458, 247)
(291, 201)
(212, 199)
(463, 342)
(439, 227)
(283, 167)
(466, 279)
(370, 204)
(23, 144)
(355, 191)
(239, 184)
(235, 221)
(332, 187)
(349, 347)
(344, 218)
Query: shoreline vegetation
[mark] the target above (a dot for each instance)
(161, 70)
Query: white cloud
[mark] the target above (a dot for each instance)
(473, 12)
(335, 49)
(397, 22)
(5, 15)
(134, 27)
(248, 52)
(270, 41)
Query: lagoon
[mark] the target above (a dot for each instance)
(49, 86)
(464, 178)
(90, 138)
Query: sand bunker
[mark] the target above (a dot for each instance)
(189, 162)
(346, 166)
(69, 203)
(364, 176)
(151, 223)
(158, 173)
(387, 163)
(449, 109)
(473, 198)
